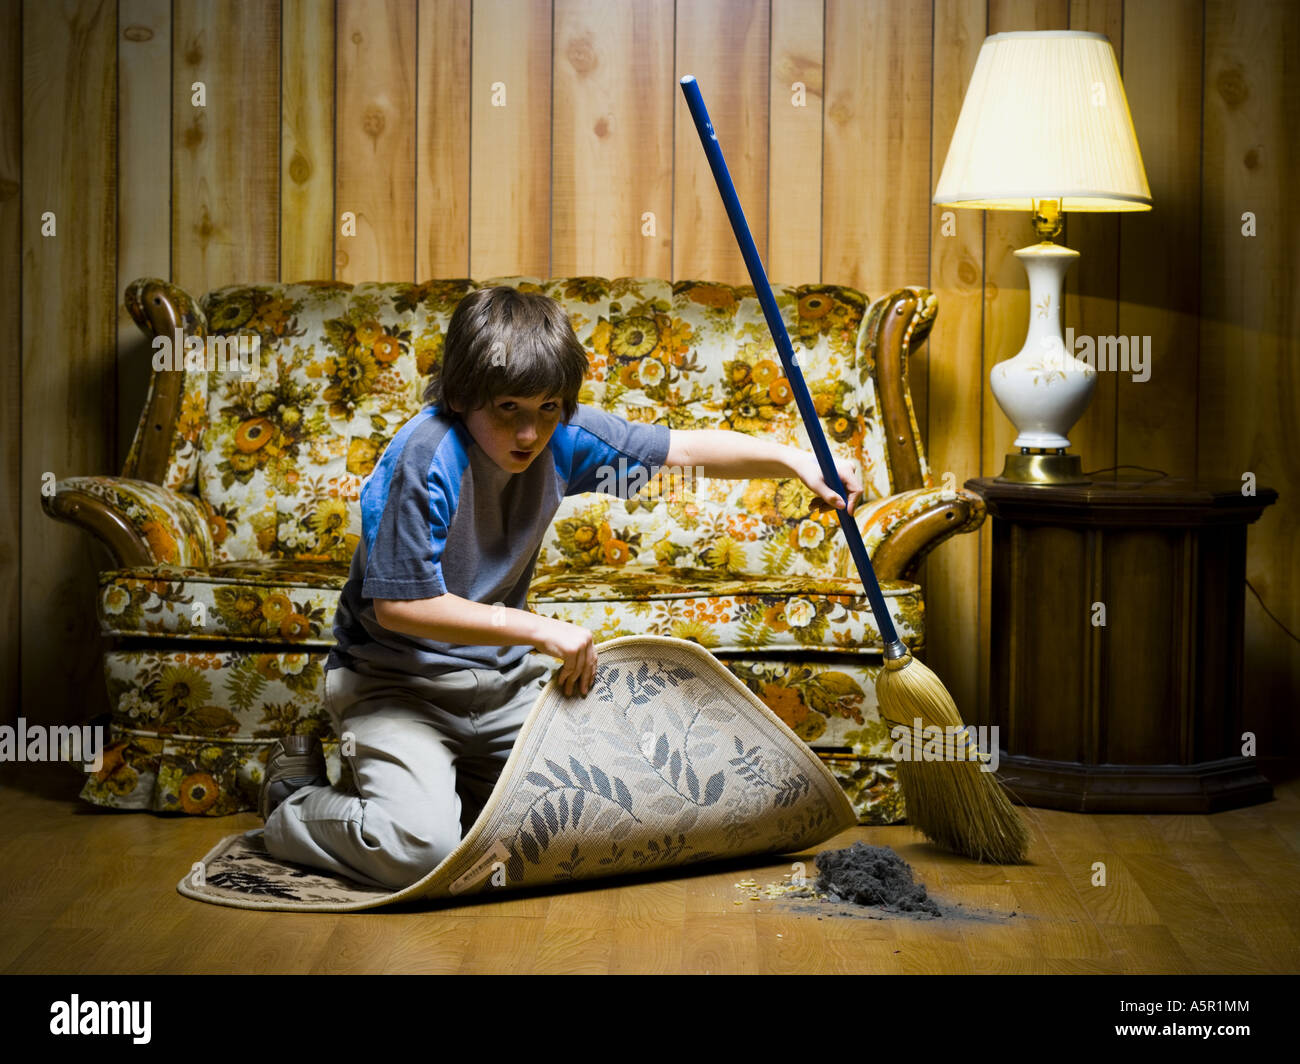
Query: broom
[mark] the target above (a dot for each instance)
(953, 802)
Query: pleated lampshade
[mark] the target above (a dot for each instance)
(1045, 117)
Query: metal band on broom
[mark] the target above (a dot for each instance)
(953, 802)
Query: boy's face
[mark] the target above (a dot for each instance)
(514, 430)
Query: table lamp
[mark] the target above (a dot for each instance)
(1045, 128)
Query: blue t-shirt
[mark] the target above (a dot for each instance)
(439, 516)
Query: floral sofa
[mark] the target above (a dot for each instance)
(235, 517)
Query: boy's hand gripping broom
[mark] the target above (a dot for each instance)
(953, 802)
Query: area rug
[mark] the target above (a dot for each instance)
(668, 760)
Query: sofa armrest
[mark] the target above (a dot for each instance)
(901, 530)
(160, 309)
(895, 326)
(140, 523)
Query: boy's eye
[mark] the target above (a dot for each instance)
(510, 405)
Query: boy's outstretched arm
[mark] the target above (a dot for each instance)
(451, 619)
(727, 454)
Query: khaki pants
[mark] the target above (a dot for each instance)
(427, 752)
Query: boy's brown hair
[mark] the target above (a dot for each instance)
(501, 341)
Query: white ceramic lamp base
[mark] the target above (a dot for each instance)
(1044, 389)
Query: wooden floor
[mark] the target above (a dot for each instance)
(87, 891)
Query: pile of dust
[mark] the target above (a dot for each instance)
(872, 875)
(865, 882)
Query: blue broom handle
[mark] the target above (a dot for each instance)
(691, 90)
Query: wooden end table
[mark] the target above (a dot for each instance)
(1117, 628)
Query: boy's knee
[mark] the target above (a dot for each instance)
(414, 845)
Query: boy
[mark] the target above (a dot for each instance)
(437, 661)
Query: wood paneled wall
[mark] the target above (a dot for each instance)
(487, 137)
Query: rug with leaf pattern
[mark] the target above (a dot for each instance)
(668, 760)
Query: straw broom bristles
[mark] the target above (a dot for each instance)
(954, 803)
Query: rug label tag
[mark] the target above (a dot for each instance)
(484, 866)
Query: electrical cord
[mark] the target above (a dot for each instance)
(1270, 613)
(1146, 469)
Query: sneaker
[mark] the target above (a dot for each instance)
(295, 761)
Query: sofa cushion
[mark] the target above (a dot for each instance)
(341, 370)
(724, 612)
(294, 602)
(279, 601)
(759, 526)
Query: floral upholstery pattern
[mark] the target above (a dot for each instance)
(232, 601)
(342, 368)
(174, 526)
(295, 602)
(191, 729)
(771, 613)
(820, 699)
(220, 639)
